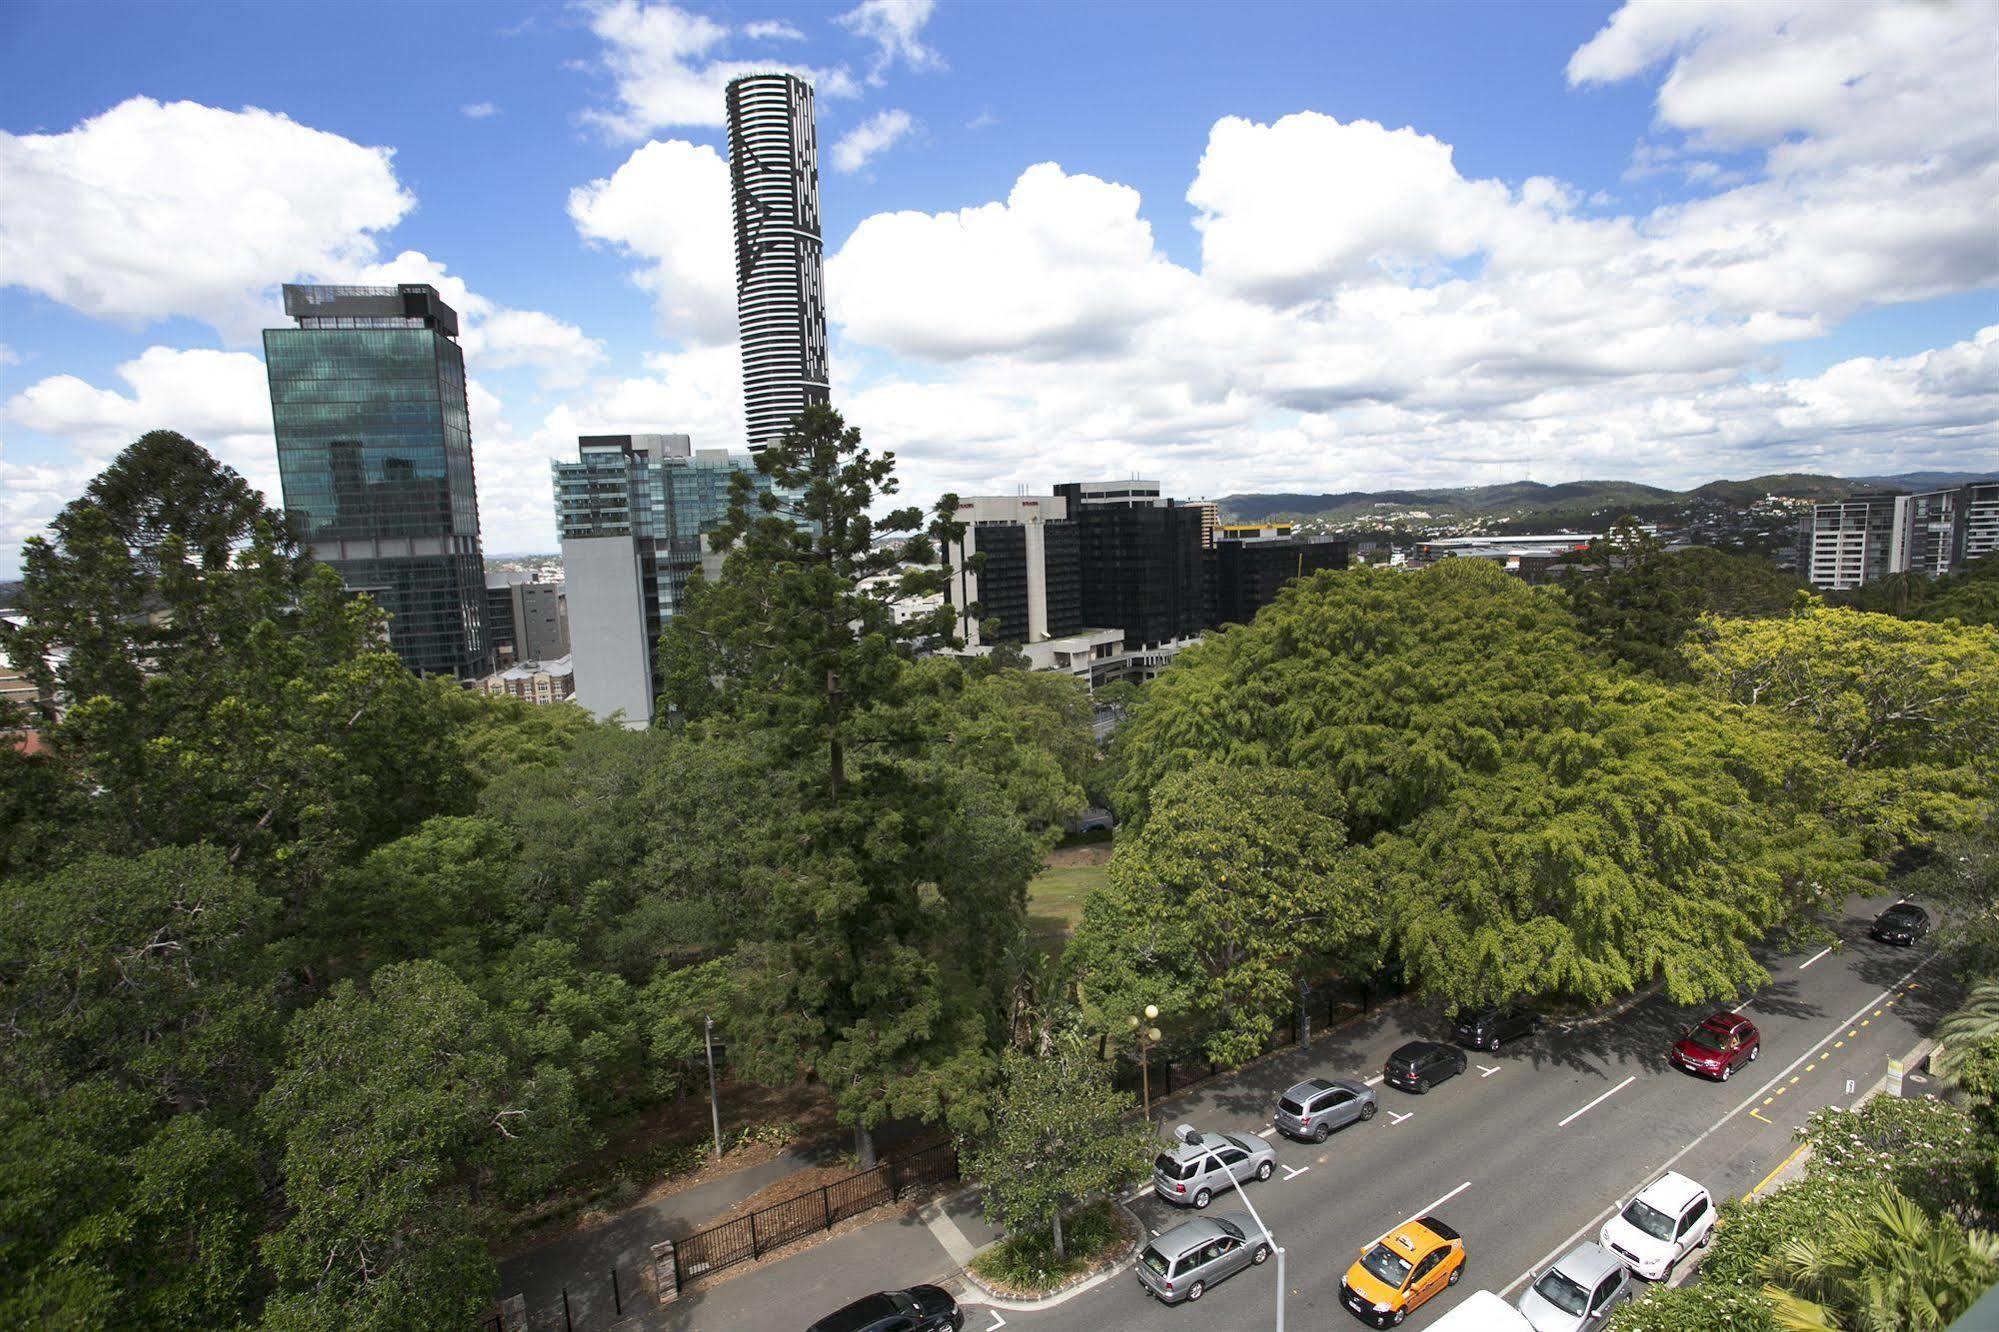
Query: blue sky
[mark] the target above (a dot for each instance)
(1261, 246)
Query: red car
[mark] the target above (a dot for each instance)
(1718, 1046)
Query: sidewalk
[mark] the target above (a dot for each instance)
(581, 1262)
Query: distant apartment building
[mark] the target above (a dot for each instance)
(1848, 543)
(1144, 569)
(1029, 586)
(780, 299)
(527, 620)
(1211, 520)
(375, 460)
(1249, 571)
(538, 682)
(633, 512)
(1517, 554)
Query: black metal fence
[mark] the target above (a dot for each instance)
(752, 1236)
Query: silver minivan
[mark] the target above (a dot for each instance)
(1578, 1293)
(1193, 1175)
(1186, 1260)
(1314, 1109)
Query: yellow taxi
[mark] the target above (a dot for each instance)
(1403, 1268)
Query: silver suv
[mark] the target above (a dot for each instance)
(1314, 1109)
(1579, 1293)
(1186, 1260)
(1194, 1175)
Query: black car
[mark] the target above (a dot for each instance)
(1421, 1065)
(918, 1309)
(1903, 923)
(1484, 1028)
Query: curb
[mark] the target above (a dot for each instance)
(982, 1295)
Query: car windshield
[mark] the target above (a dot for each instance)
(1708, 1038)
(1386, 1265)
(1903, 916)
(1649, 1219)
(1171, 1168)
(1561, 1292)
(1290, 1107)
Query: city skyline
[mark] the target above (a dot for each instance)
(1602, 246)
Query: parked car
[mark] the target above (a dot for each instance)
(1717, 1046)
(1186, 1260)
(1482, 1311)
(1485, 1028)
(1669, 1218)
(1314, 1109)
(1904, 923)
(1193, 1175)
(918, 1309)
(1578, 1293)
(1402, 1269)
(1421, 1065)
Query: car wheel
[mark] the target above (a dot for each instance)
(1263, 1171)
(1195, 1291)
(1727, 1071)
(1422, 1086)
(1492, 1044)
(1202, 1199)
(1456, 1272)
(1262, 1252)
(1321, 1133)
(1754, 1051)
(1367, 1111)
(1400, 1314)
(1705, 1238)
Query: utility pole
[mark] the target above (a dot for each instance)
(1185, 1133)
(714, 1103)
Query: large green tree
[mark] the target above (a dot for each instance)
(1222, 906)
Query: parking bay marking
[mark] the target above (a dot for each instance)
(1705, 1134)
(1264, 1133)
(1422, 1211)
(1399, 1118)
(1373, 1081)
(1289, 1173)
(1814, 957)
(1578, 1114)
(1485, 1072)
(999, 1322)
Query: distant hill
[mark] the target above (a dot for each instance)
(1571, 502)
(1927, 480)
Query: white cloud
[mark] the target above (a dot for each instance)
(983, 120)
(667, 67)
(217, 398)
(895, 27)
(772, 30)
(668, 205)
(8, 356)
(493, 336)
(479, 110)
(875, 135)
(149, 211)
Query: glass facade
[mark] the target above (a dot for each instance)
(375, 458)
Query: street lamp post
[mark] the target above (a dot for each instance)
(714, 1102)
(1148, 1036)
(1186, 1134)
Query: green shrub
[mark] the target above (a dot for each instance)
(768, 1135)
(1026, 1262)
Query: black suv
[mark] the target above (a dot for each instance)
(1484, 1028)
(1421, 1065)
(1903, 923)
(918, 1309)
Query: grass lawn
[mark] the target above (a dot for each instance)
(1055, 897)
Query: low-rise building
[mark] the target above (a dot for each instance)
(535, 681)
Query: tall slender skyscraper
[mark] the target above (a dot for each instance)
(375, 457)
(780, 304)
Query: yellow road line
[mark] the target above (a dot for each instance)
(1810, 1067)
(1780, 1165)
(1757, 1114)
(1839, 1045)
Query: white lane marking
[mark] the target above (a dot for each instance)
(1289, 1173)
(1374, 1081)
(1422, 1211)
(1485, 1072)
(1399, 1118)
(1814, 957)
(1676, 1157)
(1264, 1133)
(1578, 1114)
(997, 1322)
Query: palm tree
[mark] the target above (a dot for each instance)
(1884, 1266)
(1975, 1023)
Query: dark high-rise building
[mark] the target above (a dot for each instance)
(375, 460)
(1142, 561)
(780, 303)
(1249, 571)
(1029, 586)
(527, 621)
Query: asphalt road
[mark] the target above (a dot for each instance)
(1531, 1147)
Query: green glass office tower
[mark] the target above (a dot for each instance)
(375, 457)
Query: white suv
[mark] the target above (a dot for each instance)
(1668, 1219)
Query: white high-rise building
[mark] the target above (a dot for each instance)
(780, 302)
